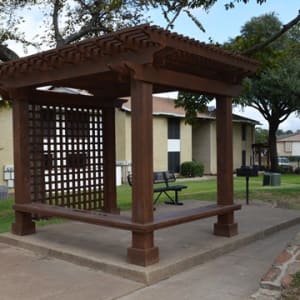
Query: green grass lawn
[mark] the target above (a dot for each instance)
(286, 195)
(289, 190)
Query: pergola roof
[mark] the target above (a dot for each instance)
(104, 65)
(71, 137)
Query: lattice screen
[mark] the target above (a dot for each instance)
(66, 156)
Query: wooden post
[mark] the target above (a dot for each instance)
(142, 251)
(225, 225)
(109, 156)
(23, 221)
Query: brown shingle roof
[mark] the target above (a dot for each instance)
(165, 107)
(291, 138)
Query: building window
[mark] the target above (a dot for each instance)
(173, 145)
(173, 128)
(174, 162)
(244, 158)
(244, 132)
(287, 146)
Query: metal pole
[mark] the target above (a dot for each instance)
(247, 190)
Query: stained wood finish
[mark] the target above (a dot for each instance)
(75, 173)
(142, 151)
(87, 63)
(109, 161)
(66, 156)
(23, 220)
(125, 222)
(73, 100)
(225, 225)
(186, 82)
(142, 251)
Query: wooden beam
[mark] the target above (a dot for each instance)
(56, 98)
(143, 252)
(23, 221)
(109, 161)
(142, 151)
(124, 222)
(66, 71)
(183, 81)
(225, 225)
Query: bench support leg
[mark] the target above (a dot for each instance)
(226, 226)
(173, 201)
(143, 252)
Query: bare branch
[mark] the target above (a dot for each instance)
(284, 29)
(83, 31)
(170, 25)
(90, 26)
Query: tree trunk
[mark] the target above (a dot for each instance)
(273, 126)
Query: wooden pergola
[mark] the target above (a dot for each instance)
(64, 144)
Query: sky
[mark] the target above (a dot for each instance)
(220, 26)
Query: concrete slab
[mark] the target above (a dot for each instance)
(233, 276)
(25, 275)
(181, 247)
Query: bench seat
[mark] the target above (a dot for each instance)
(164, 178)
(161, 220)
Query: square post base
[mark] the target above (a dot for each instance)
(143, 252)
(226, 230)
(23, 224)
(143, 257)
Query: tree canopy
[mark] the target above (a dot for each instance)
(67, 21)
(275, 90)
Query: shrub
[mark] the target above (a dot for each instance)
(297, 171)
(191, 169)
(285, 169)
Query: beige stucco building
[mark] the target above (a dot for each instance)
(205, 141)
(169, 151)
(6, 147)
(289, 145)
(173, 141)
(197, 142)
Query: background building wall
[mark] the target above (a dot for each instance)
(6, 142)
(201, 144)
(160, 143)
(205, 144)
(185, 142)
(240, 144)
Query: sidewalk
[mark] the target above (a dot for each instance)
(234, 276)
(222, 268)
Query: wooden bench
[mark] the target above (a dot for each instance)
(164, 178)
(125, 222)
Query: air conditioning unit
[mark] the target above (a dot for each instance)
(9, 175)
